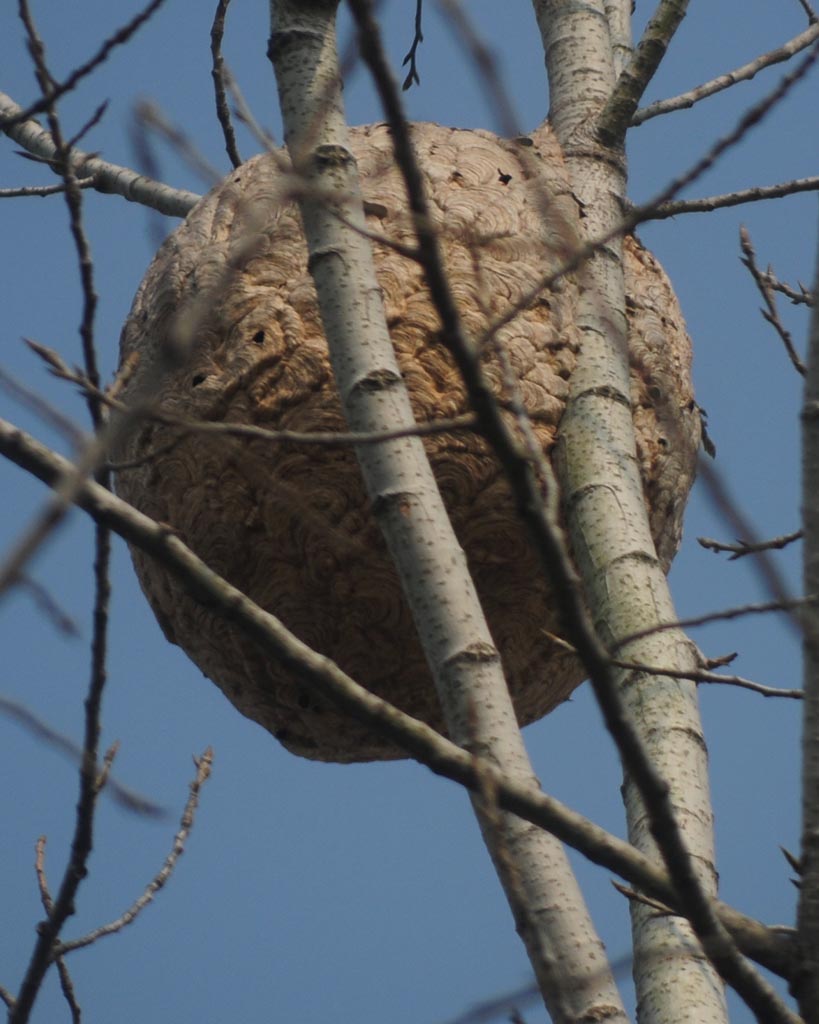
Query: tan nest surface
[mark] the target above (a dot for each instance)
(290, 524)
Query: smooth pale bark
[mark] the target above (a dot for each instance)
(107, 177)
(625, 585)
(807, 984)
(550, 913)
(618, 15)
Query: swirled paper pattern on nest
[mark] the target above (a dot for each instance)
(290, 524)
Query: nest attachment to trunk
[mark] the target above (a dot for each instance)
(225, 328)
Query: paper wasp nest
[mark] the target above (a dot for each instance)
(290, 523)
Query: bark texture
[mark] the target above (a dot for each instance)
(226, 328)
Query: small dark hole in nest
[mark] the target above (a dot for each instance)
(200, 378)
(662, 442)
(258, 337)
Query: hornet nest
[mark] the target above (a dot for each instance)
(291, 524)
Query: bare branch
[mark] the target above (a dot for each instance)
(724, 615)
(772, 948)
(768, 568)
(741, 74)
(645, 212)
(203, 768)
(45, 410)
(41, 190)
(148, 116)
(727, 199)
(771, 314)
(413, 77)
(217, 31)
(808, 9)
(699, 675)
(119, 38)
(639, 897)
(127, 798)
(39, 870)
(803, 297)
(806, 982)
(704, 676)
(67, 987)
(752, 117)
(106, 177)
(742, 548)
(245, 114)
(49, 606)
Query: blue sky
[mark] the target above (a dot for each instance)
(315, 893)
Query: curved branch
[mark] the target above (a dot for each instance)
(105, 177)
(744, 73)
(771, 947)
(721, 202)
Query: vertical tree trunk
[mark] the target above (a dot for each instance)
(625, 585)
(550, 913)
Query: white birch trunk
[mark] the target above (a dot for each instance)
(602, 491)
(550, 913)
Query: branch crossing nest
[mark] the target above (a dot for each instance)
(290, 524)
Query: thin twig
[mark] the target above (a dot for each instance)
(148, 116)
(245, 114)
(60, 369)
(49, 606)
(81, 132)
(328, 439)
(203, 767)
(66, 984)
(638, 897)
(41, 190)
(742, 547)
(42, 408)
(119, 38)
(127, 798)
(39, 870)
(771, 314)
(729, 78)
(699, 675)
(59, 909)
(728, 199)
(217, 32)
(803, 297)
(768, 568)
(67, 988)
(723, 615)
(413, 77)
(704, 676)
(107, 177)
